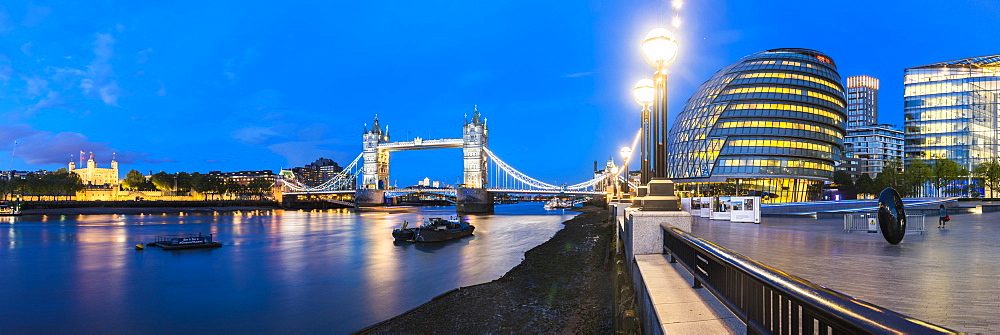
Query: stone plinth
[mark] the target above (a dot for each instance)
(369, 198)
(645, 232)
(474, 200)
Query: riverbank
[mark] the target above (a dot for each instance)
(141, 210)
(562, 286)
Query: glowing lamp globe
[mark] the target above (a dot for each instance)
(625, 152)
(659, 47)
(644, 92)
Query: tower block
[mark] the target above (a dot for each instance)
(473, 196)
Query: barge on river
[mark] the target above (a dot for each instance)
(434, 230)
(184, 241)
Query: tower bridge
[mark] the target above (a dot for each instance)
(367, 176)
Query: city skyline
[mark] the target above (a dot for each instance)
(252, 86)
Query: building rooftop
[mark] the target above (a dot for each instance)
(983, 61)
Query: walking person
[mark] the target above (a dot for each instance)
(943, 217)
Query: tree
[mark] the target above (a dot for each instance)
(892, 176)
(865, 185)
(843, 181)
(134, 180)
(260, 187)
(163, 181)
(988, 175)
(945, 172)
(917, 173)
(183, 181)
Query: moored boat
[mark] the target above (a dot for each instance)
(557, 203)
(7, 210)
(184, 241)
(434, 230)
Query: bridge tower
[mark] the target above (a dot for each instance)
(375, 173)
(473, 197)
(475, 136)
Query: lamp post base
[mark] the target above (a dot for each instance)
(641, 192)
(661, 196)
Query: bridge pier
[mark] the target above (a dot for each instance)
(473, 200)
(369, 198)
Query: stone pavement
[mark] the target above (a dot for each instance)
(949, 277)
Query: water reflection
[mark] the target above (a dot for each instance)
(279, 271)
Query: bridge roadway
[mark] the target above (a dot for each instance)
(945, 276)
(451, 191)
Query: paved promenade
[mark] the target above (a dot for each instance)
(950, 277)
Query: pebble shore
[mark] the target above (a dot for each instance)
(563, 286)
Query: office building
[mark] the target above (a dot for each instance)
(770, 124)
(950, 112)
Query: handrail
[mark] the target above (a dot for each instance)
(769, 300)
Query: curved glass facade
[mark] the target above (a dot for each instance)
(770, 124)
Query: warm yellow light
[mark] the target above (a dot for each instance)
(614, 170)
(677, 4)
(644, 92)
(677, 22)
(626, 152)
(659, 47)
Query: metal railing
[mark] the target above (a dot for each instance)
(863, 222)
(771, 301)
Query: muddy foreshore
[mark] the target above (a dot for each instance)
(563, 285)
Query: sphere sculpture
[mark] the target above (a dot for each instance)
(891, 216)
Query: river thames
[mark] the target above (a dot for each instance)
(278, 271)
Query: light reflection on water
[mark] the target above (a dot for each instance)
(280, 271)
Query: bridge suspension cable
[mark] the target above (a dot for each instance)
(343, 180)
(505, 177)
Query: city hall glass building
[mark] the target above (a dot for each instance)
(771, 124)
(950, 111)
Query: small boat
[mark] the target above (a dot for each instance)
(434, 230)
(557, 203)
(403, 233)
(184, 241)
(7, 210)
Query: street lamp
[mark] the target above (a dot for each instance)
(625, 152)
(614, 186)
(660, 49)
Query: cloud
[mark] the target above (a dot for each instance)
(253, 135)
(26, 48)
(100, 72)
(299, 153)
(578, 75)
(39, 147)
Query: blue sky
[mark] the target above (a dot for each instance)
(249, 85)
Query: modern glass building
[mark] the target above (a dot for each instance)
(950, 111)
(771, 124)
(862, 101)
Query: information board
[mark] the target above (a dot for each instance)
(721, 208)
(686, 204)
(706, 207)
(745, 209)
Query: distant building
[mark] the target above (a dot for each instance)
(95, 176)
(950, 111)
(244, 177)
(770, 124)
(868, 149)
(318, 172)
(868, 145)
(862, 101)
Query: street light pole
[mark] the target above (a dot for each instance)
(625, 152)
(660, 49)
